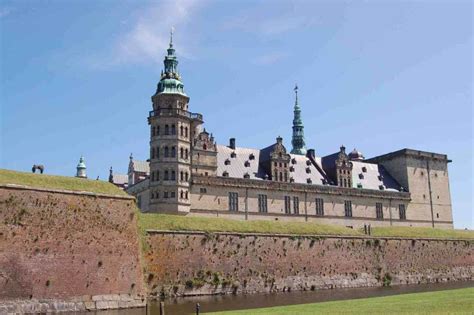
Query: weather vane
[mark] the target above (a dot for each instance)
(171, 35)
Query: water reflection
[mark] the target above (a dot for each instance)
(183, 306)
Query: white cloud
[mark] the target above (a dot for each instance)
(148, 34)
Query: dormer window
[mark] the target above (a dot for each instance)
(308, 162)
(246, 175)
(361, 176)
(227, 162)
(364, 169)
(292, 180)
(359, 185)
(293, 161)
(308, 170)
(380, 177)
(292, 169)
(225, 174)
(381, 187)
(309, 181)
(324, 181)
(251, 156)
(233, 155)
(247, 164)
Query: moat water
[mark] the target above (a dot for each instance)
(187, 305)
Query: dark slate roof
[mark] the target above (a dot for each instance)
(237, 168)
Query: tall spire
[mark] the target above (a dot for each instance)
(170, 81)
(297, 141)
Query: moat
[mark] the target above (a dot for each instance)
(182, 306)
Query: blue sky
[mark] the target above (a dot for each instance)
(77, 76)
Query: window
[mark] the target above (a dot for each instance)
(203, 190)
(186, 176)
(173, 175)
(233, 155)
(181, 194)
(181, 131)
(296, 205)
(319, 206)
(287, 205)
(247, 164)
(173, 151)
(167, 130)
(286, 176)
(166, 175)
(157, 130)
(262, 203)
(152, 153)
(246, 175)
(281, 176)
(173, 129)
(158, 152)
(227, 162)
(172, 194)
(233, 201)
(181, 153)
(186, 132)
(348, 208)
(165, 195)
(139, 202)
(167, 152)
(186, 154)
(157, 195)
(153, 131)
(378, 210)
(152, 176)
(401, 209)
(225, 174)
(181, 176)
(157, 175)
(364, 169)
(251, 156)
(186, 194)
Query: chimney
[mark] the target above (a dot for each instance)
(232, 143)
(311, 153)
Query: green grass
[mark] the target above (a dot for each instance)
(58, 182)
(182, 223)
(459, 301)
(421, 232)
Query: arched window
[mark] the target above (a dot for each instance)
(167, 130)
(157, 175)
(181, 153)
(167, 153)
(152, 153)
(186, 155)
(152, 176)
(173, 151)
(166, 175)
(281, 176)
(181, 194)
(186, 195)
(157, 130)
(286, 176)
(181, 131)
(186, 132)
(181, 176)
(204, 146)
(157, 152)
(173, 175)
(153, 131)
(173, 129)
(345, 183)
(186, 176)
(276, 176)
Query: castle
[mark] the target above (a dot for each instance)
(187, 173)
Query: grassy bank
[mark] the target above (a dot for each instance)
(58, 182)
(441, 302)
(182, 223)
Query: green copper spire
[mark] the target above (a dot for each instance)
(297, 141)
(170, 81)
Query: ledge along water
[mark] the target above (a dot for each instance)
(187, 305)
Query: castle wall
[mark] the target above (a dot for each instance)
(69, 246)
(187, 263)
(210, 197)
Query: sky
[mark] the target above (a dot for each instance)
(77, 77)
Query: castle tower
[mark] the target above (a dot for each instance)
(172, 129)
(298, 143)
(81, 168)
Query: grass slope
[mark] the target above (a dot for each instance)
(58, 182)
(459, 301)
(182, 223)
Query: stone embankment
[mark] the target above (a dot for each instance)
(195, 263)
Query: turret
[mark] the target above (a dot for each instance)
(81, 168)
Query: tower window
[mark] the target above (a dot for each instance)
(173, 151)
(173, 175)
(181, 153)
(167, 152)
(157, 130)
(181, 194)
(153, 131)
(186, 154)
(348, 208)
(186, 176)
(165, 195)
(186, 194)
(319, 202)
(262, 203)
(186, 132)
(167, 130)
(402, 211)
(157, 152)
(181, 131)
(181, 176)
(152, 153)
(173, 129)
(157, 175)
(166, 175)
(233, 201)
(172, 194)
(379, 210)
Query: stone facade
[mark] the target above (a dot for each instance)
(190, 174)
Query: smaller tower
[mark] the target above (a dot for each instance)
(81, 168)
(298, 143)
